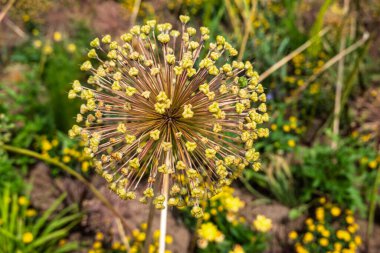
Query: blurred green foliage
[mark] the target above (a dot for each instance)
(22, 230)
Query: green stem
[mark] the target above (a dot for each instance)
(72, 172)
(372, 206)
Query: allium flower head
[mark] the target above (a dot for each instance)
(156, 109)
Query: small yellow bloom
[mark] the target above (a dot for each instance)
(141, 237)
(71, 47)
(85, 165)
(86, 66)
(335, 211)
(47, 49)
(372, 164)
(301, 249)
(320, 213)
(286, 128)
(237, 249)
(262, 224)
(184, 19)
(338, 246)
(308, 237)
(323, 242)
(134, 163)
(31, 212)
(26, 18)
(169, 239)
(37, 43)
(232, 204)
(97, 245)
(208, 231)
(27, 237)
(146, 94)
(343, 235)
(273, 127)
(325, 233)
(190, 146)
(358, 240)
(187, 112)
(57, 36)
(155, 134)
(210, 153)
(350, 219)
(293, 235)
(23, 201)
(116, 245)
(291, 143)
(66, 159)
(129, 91)
(180, 165)
(129, 139)
(99, 236)
(46, 145)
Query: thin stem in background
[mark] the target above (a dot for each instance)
(233, 18)
(339, 81)
(247, 28)
(6, 9)
(122, 234)
(72, 172)
(135, 12)
(16, 29)
(328, 64)
(293, 54)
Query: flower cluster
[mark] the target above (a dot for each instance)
(285, 132)
(67, 153)
(134, 243)
(208, 232)
(156, 109)
(47, 45)
(304, 66)
(331, 230)
(223, 228)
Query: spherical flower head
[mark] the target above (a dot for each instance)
(262, 224)
(154, 109)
